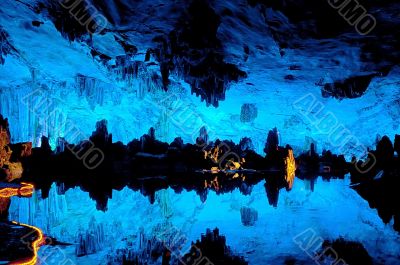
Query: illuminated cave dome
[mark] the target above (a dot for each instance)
(237, 67)
(151, 76)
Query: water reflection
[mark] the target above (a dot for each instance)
(202, 183)
(133, 222)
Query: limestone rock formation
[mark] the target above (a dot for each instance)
(212, 249)
(248, 112)
(249, 216)
(8, 170)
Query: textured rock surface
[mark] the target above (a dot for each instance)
(249, 216)
(8, 170)
(211, 248)
(248, 112)
(121, 73)
(348, 252)
(63, 216)
(5, 152)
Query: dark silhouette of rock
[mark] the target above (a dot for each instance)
(100, 137)
(352, 87)
(380, 181)
(272, 141)
(246, 144)
(194, 51)
(202, 140)
(345, 252)
(65, 22)
(397, 144)
(15, 242)
(384, 152)
(211, 249)
(272, 186)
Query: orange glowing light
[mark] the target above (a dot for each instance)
(25, 191)
(35, 245)
(290, 169)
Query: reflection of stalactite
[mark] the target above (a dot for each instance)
(165, 203)
(249, 216)
(211, 249)
(162, 126)
(272, 143)
(272, 190)
(244, 188)
(248, 113)
(90, 241)
(146, 249)
(44, 213)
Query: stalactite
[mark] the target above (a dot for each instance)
(141, 76)
(147, 249)
(43, 213)
(249, 216)
(248, 112)
(5, 46)
(90, 88)
(91, 240)
(165, 203)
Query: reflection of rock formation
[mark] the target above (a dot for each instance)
(311, 164)
(165, 245)
(90, 241)
(341, 251)
(272, 142)
(149, 165)
(18, 244)
(272, 188)
(145, 249)
(14, 242)
(249, 216)
(165, 203)
(141, 163)
(397, 144)
(309, 183)
(211, 249)
(352, 87)
(248, 112)
(378, 181)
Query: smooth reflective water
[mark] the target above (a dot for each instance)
(331, 211)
